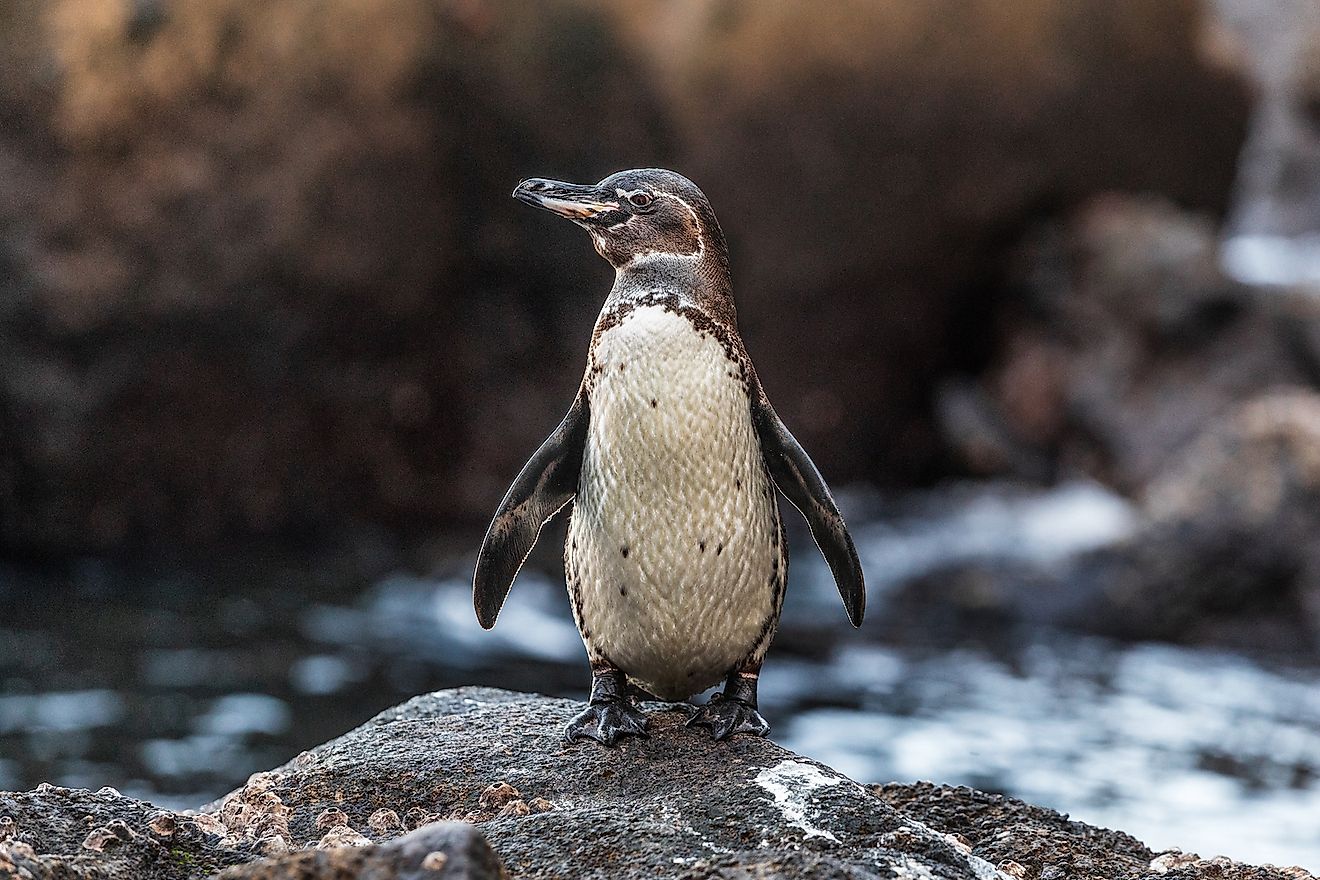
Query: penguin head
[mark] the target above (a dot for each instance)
(635, 216)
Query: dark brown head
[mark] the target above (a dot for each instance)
(636, 216)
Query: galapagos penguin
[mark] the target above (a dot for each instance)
(671, 453)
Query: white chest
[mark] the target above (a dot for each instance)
(674, 552)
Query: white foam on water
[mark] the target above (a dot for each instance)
(60, 711)
(1273, 260)
(1043, 527)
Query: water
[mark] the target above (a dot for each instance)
(174, 687)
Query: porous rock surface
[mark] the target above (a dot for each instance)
(381, 803)
(54, 832)
(438, 851)
(671, 805)
(1033, 843)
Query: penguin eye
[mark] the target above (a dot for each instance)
(640, 199)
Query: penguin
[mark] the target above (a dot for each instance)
(671, 456)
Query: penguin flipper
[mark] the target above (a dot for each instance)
(796, 476)
(546, 483)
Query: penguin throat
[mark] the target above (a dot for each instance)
(702, 283)
(644, 258)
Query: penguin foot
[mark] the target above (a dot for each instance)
(724, 717)
(605, 721)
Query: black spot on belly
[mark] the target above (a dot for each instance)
(719, 548)
(702, 546)
(623, 591)
(624, 551)
(652, 403)
(737, 484)
(621, 367)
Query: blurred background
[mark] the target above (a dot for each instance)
(1037, 284)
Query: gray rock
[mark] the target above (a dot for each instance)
(673, 805)
(1230, 543)
(1038, 844)
(55, 832)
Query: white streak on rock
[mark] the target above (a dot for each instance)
(790, 783)
(980, 867)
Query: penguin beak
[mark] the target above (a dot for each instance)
(576, 202)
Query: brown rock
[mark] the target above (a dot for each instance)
(261, 275)
(1231, 546)
(498, 795)
(441, 851)
(869, 159)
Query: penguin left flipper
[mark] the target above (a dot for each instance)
(546, 483)
(796, 476)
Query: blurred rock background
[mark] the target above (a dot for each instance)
(262, 278)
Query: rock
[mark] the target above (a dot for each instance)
(674, 805)
(260, 275)
(82, 835)
(1229, 551)
(1139, 364)
(905, 158)
(440, 851)
(1130, 344)
(1038, 844)
(260, 261)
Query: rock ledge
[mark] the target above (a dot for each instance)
(437, 787)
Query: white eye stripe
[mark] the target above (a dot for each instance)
(696, 222)
(653, 256)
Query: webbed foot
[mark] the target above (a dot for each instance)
(611, 714)
(606, 721)
(725, 716)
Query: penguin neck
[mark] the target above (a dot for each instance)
(703, 282)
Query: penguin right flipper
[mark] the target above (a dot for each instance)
(796, 476)
(546, 483)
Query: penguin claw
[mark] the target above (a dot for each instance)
(606, 722)
(725, 717)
